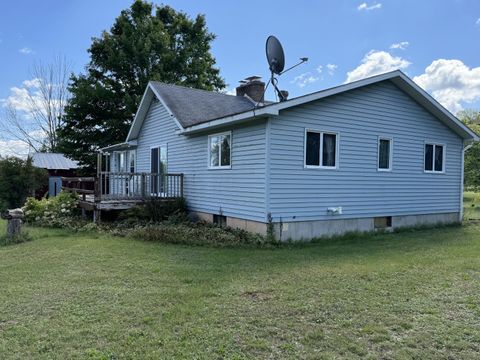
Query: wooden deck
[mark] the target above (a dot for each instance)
(121, 191)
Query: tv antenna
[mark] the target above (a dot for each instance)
(276, 64)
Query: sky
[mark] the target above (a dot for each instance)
(435, 42)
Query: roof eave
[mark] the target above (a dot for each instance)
(120, 146)
(229, 120)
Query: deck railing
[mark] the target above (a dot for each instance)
(126, 186)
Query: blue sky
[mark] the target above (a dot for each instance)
(434, 42)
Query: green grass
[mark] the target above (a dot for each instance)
(404, 295)
(471, 202)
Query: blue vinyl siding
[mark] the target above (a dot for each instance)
(236, 192)
(359, 117)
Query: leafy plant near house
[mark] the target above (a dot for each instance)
(58, 211)
(146, 42)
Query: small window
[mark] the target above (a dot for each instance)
(434, 158)
(321, 149)
(383, 222)
(384, 154)
(219, 150)
(220, 220)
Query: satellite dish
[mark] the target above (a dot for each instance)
(275, 55)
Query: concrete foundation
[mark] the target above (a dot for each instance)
(307, 230)
(248, 225)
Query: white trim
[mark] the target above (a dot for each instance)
(444, 159)
(219, 167)
(238, 118)
(337, 149)
(390, 157)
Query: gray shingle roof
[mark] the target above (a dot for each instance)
(194, 106)
(53, 161)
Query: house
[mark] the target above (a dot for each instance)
(372, 154)
(58, 166)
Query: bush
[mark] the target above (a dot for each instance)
(58, 211)
(155, 210)
(197, 234)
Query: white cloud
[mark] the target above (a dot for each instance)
(477, 22)
(13, 148)
(319, 69)
(451, 82)
(304, 79)
(364, 6)
(25, 51)
(33, 83)
(19, 99)
(331, 68)
(401, 45)
(231, 92)
(376, 62)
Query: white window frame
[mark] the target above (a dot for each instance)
(219, 167)
(337, 149)
(390, 158)
(130, 153)
(444, 158)
(118, 155)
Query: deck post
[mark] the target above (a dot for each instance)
(143, 185)
(181, 185)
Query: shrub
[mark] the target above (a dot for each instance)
(197, 234)
(58, 211)
(155, 210)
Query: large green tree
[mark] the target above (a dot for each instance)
(471, 118)
(146, 42)
(18, 179)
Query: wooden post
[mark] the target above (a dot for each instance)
(181, 185)
(99, 164)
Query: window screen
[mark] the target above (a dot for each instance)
(438, 158)
(329, 149)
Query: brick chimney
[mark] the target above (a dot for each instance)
(253, 87)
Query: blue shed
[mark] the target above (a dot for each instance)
(58, 166)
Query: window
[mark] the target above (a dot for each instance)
(384, 154)
(131, 161)
(434, 158)
(384, 222)
(219, 151)
(121, 161)
(321, 149)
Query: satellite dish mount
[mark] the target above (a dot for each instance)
(276, 63)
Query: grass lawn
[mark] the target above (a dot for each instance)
(471, 201)
(406, 295)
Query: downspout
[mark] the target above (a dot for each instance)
(465, 148)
